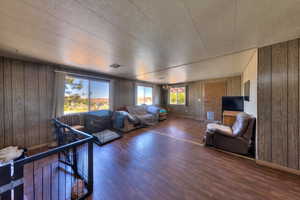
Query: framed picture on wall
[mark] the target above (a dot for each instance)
(247, 91)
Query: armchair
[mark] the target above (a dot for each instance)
(240, 138)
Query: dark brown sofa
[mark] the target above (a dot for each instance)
(240, 138)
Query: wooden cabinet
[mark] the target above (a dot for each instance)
(229, 117)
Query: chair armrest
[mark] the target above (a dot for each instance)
(220, 129)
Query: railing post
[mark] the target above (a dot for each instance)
(90, 166)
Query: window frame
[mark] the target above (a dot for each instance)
(89, 91)
(136, 94)
(185, 96)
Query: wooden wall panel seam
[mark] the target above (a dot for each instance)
(2, 134)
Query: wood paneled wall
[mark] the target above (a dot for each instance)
(278, 104)
(195, 108)
(25, 103)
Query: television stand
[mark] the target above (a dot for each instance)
(229, 117)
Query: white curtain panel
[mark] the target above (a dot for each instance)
(59, 93)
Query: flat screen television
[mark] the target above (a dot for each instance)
(234, 103)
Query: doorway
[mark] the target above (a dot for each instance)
(213, 92)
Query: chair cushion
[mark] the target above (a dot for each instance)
(225, 130)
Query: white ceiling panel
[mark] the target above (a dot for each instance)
(223, 66)
(149, 38)
(215, 22)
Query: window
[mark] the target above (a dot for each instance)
(177, 96)
(99, 95)
(83, 95)
(144, 95)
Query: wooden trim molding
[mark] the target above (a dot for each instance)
(278, 167)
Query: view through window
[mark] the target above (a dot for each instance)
(144, 95)
(177, 95)
(83, 95)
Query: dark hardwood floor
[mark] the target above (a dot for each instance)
(180, 128)
(164, 162)
(168, 162)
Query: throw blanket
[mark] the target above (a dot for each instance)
(10, 153)
(141, 113)
(119, 118)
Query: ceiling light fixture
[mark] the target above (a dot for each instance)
(115, 66)
(166, 87)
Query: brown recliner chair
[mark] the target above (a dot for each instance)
(240, 138)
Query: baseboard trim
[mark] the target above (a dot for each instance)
(264, 163)
(233, 154)
(278, 167)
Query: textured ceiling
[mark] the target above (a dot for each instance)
(163, 41)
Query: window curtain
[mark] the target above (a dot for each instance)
(187, 95)
(59, 94)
